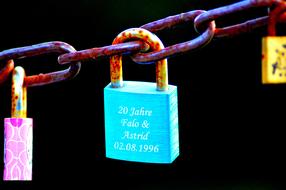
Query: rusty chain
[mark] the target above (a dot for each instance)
(203, 20)
(35, 50)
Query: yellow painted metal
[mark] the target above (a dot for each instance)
(273, 59)
(155, 44)
(19, 94)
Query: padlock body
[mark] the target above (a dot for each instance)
(18, 147)
(273, 59)
(141, 123)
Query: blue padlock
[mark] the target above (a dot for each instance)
(141, 118)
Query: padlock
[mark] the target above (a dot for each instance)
(274, 52)
(18, 133)
(141, 118)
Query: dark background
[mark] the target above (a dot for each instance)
(231, 126)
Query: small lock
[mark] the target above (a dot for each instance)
(18, 133)
(273, 53)
(141, 118)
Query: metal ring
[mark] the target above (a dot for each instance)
(200, 41)
(40, 49)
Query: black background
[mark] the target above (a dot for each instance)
(231, 126)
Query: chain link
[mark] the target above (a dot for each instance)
(96, 53)
(35, 50)
(202, 20)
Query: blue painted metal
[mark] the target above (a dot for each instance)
(141, 123)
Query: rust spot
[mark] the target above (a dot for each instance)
(157, 46)
(140, 31)
(145, 38)
(41, 78)
(16, 97)
(117, 40)
(5, 72)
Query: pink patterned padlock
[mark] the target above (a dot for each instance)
(18, 133)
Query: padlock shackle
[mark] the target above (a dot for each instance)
(19, 94)
(155, 44)
(274, 17)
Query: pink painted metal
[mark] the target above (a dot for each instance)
(18, 148)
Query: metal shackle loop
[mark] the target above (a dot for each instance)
(19, 94)
(155, 45)
(274, 17)
(6, 70)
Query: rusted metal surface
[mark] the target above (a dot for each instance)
(245, 27)
(40, 49)
(202, 20)
(96, 53)
(217, 13)
(129, 47)
(5, 72)
(199, 18)
(155, 44)
(172, 21)
(147, 58)
(236, 29)
(18, 94)
(274, 17)
(200, 41)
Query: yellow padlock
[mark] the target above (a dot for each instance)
(274, 52)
